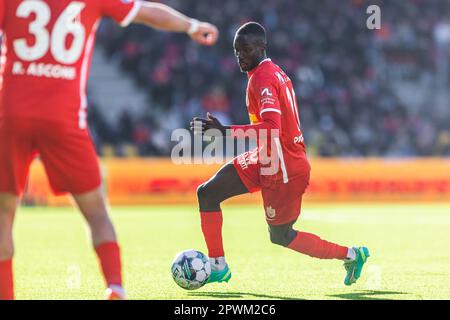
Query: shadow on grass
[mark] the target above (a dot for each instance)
(367, 295)
(237, 295)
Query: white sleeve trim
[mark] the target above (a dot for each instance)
(269, 110)
(131, 15)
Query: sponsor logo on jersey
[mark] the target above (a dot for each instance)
(299, 139)
(266, 97)
(246, 159)
(243, 161)
(266, 91)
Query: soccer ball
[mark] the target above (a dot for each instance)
(191, 269)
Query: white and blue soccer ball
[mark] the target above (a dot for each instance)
(191, 269)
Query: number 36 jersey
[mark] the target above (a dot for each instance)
(45, 57)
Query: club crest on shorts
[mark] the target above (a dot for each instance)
(270, 212)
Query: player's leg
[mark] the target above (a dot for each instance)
(16, 154)
(312, 245)
(226, 183)
(306, 243)
(72, 167)
(93, 207)
(282, 210)
(8, 206)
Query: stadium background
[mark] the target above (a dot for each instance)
(374, 106)
(381, 95)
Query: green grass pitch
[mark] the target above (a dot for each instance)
(409, 245)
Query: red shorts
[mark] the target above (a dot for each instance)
(282, 201)
(67, 154)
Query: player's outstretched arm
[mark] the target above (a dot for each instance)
(163, 17)
(270, 121)
(200, 126)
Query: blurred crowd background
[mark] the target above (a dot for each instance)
(361, 92)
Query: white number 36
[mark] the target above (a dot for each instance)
(66, 24)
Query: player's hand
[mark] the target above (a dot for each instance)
(204, 33)
(201, 125)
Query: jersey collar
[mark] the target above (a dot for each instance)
(251, 72)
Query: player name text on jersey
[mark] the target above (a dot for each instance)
(47, 70)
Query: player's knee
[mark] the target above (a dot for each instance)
(282, 235)
(6, 252)
(100, 222)
(206, 194)
(102, 230)
(8, 205)
(202, 192)
(6, 244)
(207, 198)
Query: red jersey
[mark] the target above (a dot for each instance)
(46, 51)
(271, 90)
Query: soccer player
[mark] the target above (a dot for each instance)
(46, 53)
(278, 167)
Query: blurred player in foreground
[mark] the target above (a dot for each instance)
(46, 53)
(272, 108)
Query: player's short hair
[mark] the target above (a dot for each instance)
(253, 29)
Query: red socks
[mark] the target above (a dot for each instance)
(212, 231)
(6, 280)
(313, 246)
(305, 243)
(109, 256)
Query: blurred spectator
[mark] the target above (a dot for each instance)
(361, 92)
